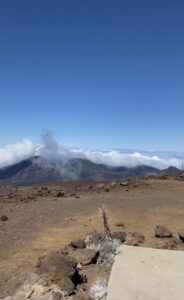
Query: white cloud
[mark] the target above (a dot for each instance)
(14, 153)
(117, 159)
(53, 155)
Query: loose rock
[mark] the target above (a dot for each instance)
(131, 241)
(139, 237)
(60, 194)
(166, 243)
(119, 235)
(60, 269)
(85, 256)
(162, 232)
(4, 218)
(124, 183)
(119, 224)
(181, 234)
(33, 287)
(79, 243)
(67, 249)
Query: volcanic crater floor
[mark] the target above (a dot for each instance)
(44, 218)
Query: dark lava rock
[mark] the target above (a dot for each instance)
(139, 237)
(79, 243)
(60, 194)
(181, 234)
(60, 269)
(4, 218)
(162, 232)
(119, 235)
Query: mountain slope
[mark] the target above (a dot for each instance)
(35, 171)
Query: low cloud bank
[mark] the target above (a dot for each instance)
(15, 153)
(117, 159)
(52, 155)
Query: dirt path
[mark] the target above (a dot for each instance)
(36, 227)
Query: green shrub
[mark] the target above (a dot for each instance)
(163, 176)
(107, 188)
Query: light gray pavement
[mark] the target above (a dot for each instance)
(147, 274)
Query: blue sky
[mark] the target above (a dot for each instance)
(101, 74)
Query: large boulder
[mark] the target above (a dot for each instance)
(33, 287)
(60, 269)
(162, 232)
(85, 256)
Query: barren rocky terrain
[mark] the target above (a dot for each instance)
(45, 218)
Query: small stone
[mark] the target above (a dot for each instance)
(60, 194)
(119, 235)
(4, 218)
(82, 296)
(138, 236)
(162, 232)
(79, 243)
(72, 194)
(85, 256)
(181, 234)
(119, 224)
(67, 249)
(124, 183)
(131, 241)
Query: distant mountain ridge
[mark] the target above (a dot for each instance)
(30, 172)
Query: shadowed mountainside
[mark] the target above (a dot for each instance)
(32, 171)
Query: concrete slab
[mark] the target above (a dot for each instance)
(147, 274)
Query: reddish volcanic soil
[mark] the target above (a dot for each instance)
(39, 221)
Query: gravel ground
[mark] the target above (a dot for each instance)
(40, 222)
